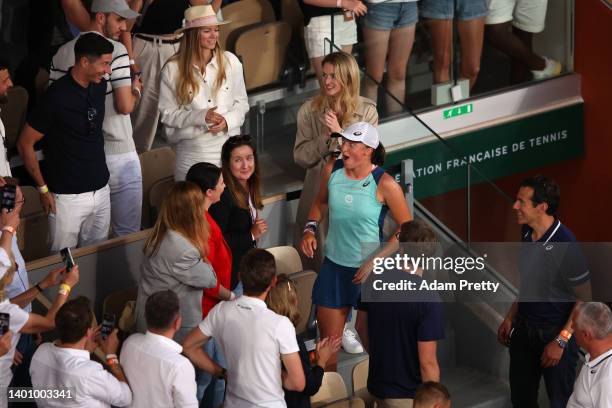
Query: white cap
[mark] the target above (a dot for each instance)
(361, 132)
(119, 7)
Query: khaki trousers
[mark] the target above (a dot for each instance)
(150, 57)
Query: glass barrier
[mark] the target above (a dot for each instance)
(436, 52)
(425, 62)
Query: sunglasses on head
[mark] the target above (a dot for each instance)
(239, 139)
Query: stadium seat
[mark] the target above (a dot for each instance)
(262, 50)
(241, 14)
(304, 282)
(13, 114)
(360, 381)
(157, 164)
(32, 235)
(156, 195)
(287, 259)
(332, 389)
(41, 82)
(115, 304)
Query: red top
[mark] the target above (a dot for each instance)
(220, 257)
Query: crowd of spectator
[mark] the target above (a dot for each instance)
(215, 324)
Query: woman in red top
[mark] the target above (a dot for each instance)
(209, 178)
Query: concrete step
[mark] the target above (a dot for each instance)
(471, 388)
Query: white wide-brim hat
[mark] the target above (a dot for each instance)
(200, 16)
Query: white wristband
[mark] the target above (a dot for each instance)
(232, 296)
(339, 3)
(132, 62)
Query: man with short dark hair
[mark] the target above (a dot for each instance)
(155, 359)
(75, 194)
(432, 394)
(553, 275)
(255, 340)
(593, 332)
(108, 18)
(67, 362)
(401, 336)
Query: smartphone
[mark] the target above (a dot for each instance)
(5, 319)
(8, 193)
(108, 324)
(67, 258)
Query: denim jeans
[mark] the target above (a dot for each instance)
(125, 184)
(211, 390)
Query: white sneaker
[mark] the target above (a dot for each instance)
(551, 69)
(350, 344)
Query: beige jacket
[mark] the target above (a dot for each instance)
(312, 149)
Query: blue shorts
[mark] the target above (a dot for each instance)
(334, 287)
(443, 9)
(389, 16)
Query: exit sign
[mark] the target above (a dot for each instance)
(457, 111)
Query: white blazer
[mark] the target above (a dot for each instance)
(185, 126)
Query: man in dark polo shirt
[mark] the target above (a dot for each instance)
(554, 274)
(73, 185)
(401, 337)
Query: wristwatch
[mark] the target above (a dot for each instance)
(223, 373)
(561, 342)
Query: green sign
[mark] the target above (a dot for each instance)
(457, 111)
(496, 152)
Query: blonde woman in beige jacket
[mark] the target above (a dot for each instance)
(337, 106)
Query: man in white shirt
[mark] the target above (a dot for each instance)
(108, 18)
(593, 332)
(254, 340)
(21, 321)
(157, 372)
(66, 364)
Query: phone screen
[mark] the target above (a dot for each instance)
(67, 258)
(108, 324)
(5, 319)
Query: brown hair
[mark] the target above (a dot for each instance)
(347, 73)
(418, 238)
(240, 194)
(283, 299)
(430, 393)
(73, 319)
(190, 53)
(257, 271)
(182, 211)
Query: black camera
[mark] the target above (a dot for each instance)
(8, 193)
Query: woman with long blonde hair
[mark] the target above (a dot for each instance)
(202, 97)
(175, 256)
(337, 106)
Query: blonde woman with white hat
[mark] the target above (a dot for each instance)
(202, 98)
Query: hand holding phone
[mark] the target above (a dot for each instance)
(67, 258)
(108, 324)
(5, 320)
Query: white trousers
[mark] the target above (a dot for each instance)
(80, 219)
(125, 192)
